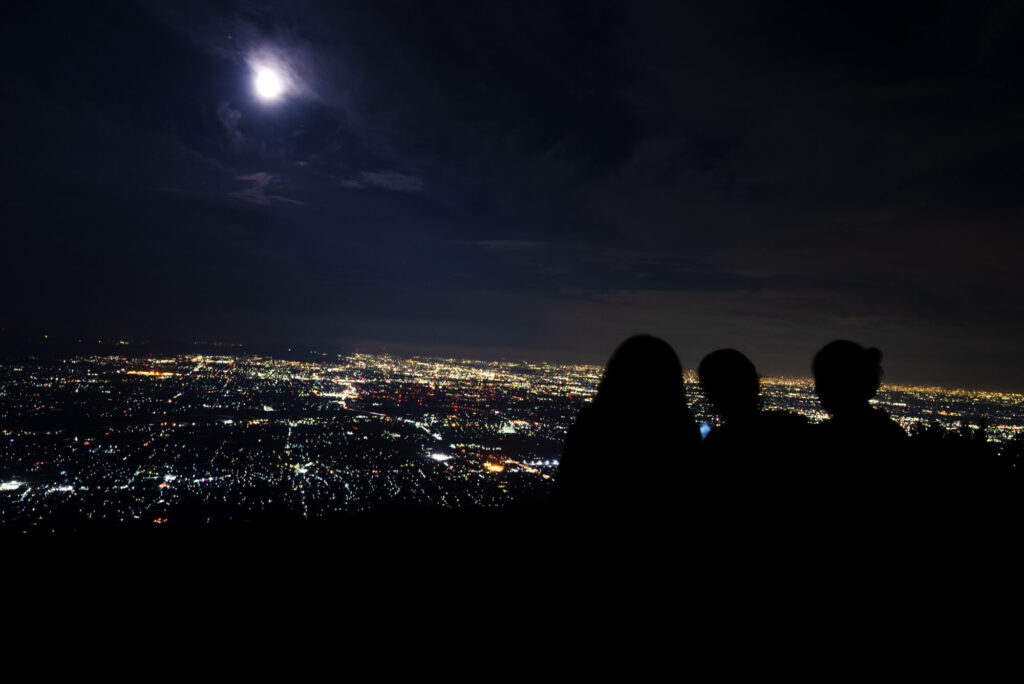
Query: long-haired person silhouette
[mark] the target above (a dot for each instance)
(626, 451)
(860, 446)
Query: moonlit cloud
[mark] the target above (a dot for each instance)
(256, 193)
(385, 180)
(229, 118)
(278, 70)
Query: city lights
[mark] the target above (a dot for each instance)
(110, 440)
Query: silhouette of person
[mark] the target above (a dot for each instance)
(753, 449)
(860, 448)
(625, 451)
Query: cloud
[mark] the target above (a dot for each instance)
(506, 245)
(229, 119)
(385, 180)
(256, 193)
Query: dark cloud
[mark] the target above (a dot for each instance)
(387, 180)
(256, 192)
(229, 118)
(531, 178)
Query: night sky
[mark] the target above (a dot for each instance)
(522, 179)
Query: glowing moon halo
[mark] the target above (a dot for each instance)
(268, 84)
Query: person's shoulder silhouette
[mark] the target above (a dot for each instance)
(625, 450)
(859, 443)
(846, 377)
(763, 449)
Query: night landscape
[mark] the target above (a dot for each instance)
(329, 268)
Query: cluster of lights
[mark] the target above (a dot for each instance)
(255, 435)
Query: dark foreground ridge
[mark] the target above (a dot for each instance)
(708, 557)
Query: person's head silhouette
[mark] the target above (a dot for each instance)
(730, 383)
(846, 376)
(644, 373)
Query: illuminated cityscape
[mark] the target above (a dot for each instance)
(117, 441)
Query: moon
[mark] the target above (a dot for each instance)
(268, 84)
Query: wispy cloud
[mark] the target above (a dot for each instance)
(229, 118)
(256, 193)
(385, 180)
(506, 245)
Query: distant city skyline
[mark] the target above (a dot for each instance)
(128, 348)
(113, 441)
